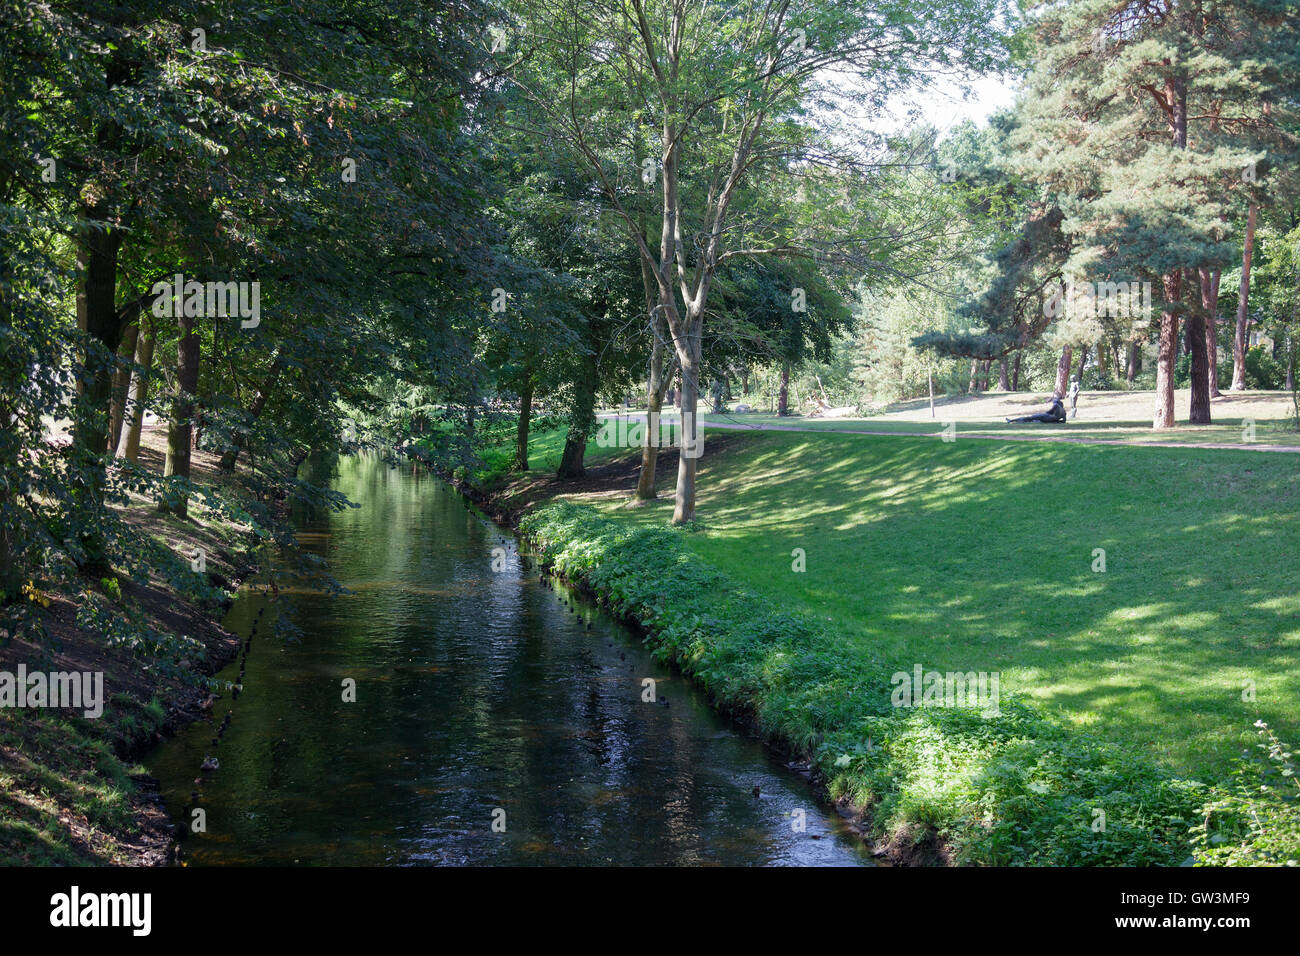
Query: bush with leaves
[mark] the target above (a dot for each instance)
(1256, 820)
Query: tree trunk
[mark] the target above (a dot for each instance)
(12, 540)
(1199, 413)
(582, 414)
(783, 397)
(1290, 363)
(97, 316)
(1015, 373)
(184, 406)
(1134, 361)
(655, 384)
(1243, 301)
(239, 435)
(1063, 371)
(654, 395)
(133, 419)
(525, 415)
(1210, 306)
(973, 385)
(121, 384)
(1004, 383)
(1164, 412)
(684, 500)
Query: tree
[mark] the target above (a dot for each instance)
(1243, 304)
(1150, 123)
(728, 90)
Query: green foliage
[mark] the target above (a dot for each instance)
(1262, 370)
(1255, 821)
(1010, 789)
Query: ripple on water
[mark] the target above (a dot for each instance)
(476, 692)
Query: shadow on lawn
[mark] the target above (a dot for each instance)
(979, 556)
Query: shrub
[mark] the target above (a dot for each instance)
(1256, 820)
(1262, 371)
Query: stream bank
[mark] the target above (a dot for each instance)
(71, 789)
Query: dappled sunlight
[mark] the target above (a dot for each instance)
(976, 555)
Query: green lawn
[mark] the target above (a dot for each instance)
(1224, 430)
(977, 555)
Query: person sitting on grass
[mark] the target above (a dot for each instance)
(1055, 414)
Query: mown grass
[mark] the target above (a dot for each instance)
(979, 556)
(1225, 430)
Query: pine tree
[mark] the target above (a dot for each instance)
(1156, 124)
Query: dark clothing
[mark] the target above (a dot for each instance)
(1055, 414)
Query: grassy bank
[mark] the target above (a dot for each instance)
(70, 790)
(955, 785)
(980, 556)
(1123, 685)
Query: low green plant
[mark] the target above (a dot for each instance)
(1254, 821)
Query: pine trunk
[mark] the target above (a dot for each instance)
(1063, 371)
(1199, 413)
(1210, 305)
(783, 397)
(1243, 302)
(1164, 413)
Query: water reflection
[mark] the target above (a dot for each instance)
(477, 691)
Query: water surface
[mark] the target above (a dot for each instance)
(481, 698)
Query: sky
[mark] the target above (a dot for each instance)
(944, 107)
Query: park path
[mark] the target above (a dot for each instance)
(1067, 439)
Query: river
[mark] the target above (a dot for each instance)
(496, 720)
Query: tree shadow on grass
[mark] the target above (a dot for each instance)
(980, 556)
